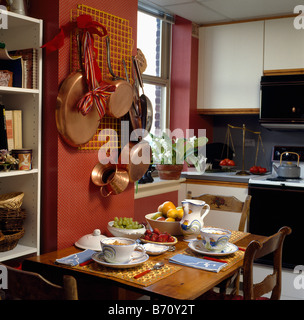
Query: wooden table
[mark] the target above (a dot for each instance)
(185, 284)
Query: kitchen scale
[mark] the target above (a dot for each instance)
(228, 139)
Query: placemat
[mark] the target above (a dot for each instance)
(230, 259)
(128, 274)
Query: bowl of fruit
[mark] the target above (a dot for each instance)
(167, 218)
(227, 164)
(126, 227)
(156, 236)
(258, 170)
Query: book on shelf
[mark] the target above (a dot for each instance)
(3, 136)
(9, 129)
(30, 66)
(17, 128)
(13, 129)
(13, 65)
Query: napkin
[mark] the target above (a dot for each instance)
(198, 263)
(76, 258)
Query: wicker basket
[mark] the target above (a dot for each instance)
(11, 201)
(12, 219)
(9, 239)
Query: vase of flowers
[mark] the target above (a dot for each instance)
(6, 160)
(169, 154)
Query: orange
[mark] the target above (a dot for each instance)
(172, 213)
(166, 206)
(180, 212)
(170, 220)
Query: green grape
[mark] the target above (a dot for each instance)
(126, 223)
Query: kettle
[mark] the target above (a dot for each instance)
(288, 170)
(18, 6)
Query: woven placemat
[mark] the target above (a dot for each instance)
(128, 274)
(230, 259)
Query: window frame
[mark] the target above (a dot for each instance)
(164, 79)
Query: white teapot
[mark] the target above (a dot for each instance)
(193, 219)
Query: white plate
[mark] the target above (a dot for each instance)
(155, 249)
(197, 246)
(98, 257)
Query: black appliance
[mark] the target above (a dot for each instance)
(276, 203)
(282, 102)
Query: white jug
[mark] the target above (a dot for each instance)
(193, 219)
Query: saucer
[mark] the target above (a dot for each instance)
(134, 262)
(155, 249)
(197, 246)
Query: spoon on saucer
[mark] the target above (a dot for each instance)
(157, 266)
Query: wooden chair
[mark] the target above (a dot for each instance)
(272, 283)
(25, 285)
(230, 204)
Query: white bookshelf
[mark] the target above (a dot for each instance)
(25, 32)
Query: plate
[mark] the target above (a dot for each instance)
(155, 249)
(160, 243)
(197, 246)
(98, 257)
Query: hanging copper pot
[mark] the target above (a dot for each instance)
(135, 158)
(75, 128)
(121, 100)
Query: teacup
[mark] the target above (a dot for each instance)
(215, 239)
(120, 250)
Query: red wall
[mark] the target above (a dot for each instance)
(71, 204)
(184, 74)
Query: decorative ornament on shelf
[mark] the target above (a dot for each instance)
(6, 160)
(169, 154)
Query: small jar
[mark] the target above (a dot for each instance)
(25, 158)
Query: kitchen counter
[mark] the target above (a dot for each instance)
(157, 187)
(216, 176)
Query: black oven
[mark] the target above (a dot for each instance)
(275, 206)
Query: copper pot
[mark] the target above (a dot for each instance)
(117, 182)
(121, 100)
(101, 173)
(135, 158)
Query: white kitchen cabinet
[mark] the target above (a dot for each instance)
(230, 68)
(284, 45)
(222, 219)
(24, 32)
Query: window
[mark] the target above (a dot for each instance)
(154, 40)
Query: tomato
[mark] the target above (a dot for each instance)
(223, 163)
(230, 163)
(254, 169)
(262, 170)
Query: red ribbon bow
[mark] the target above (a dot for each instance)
(84, 22)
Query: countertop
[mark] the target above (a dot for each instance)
(216, 176)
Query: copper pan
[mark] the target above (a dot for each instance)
(135, 110)
(146, 105)
(135, 158)
(121, 99)
(75, 128)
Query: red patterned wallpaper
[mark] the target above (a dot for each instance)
(81, 209)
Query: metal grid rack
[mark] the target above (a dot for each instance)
(121, 45)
